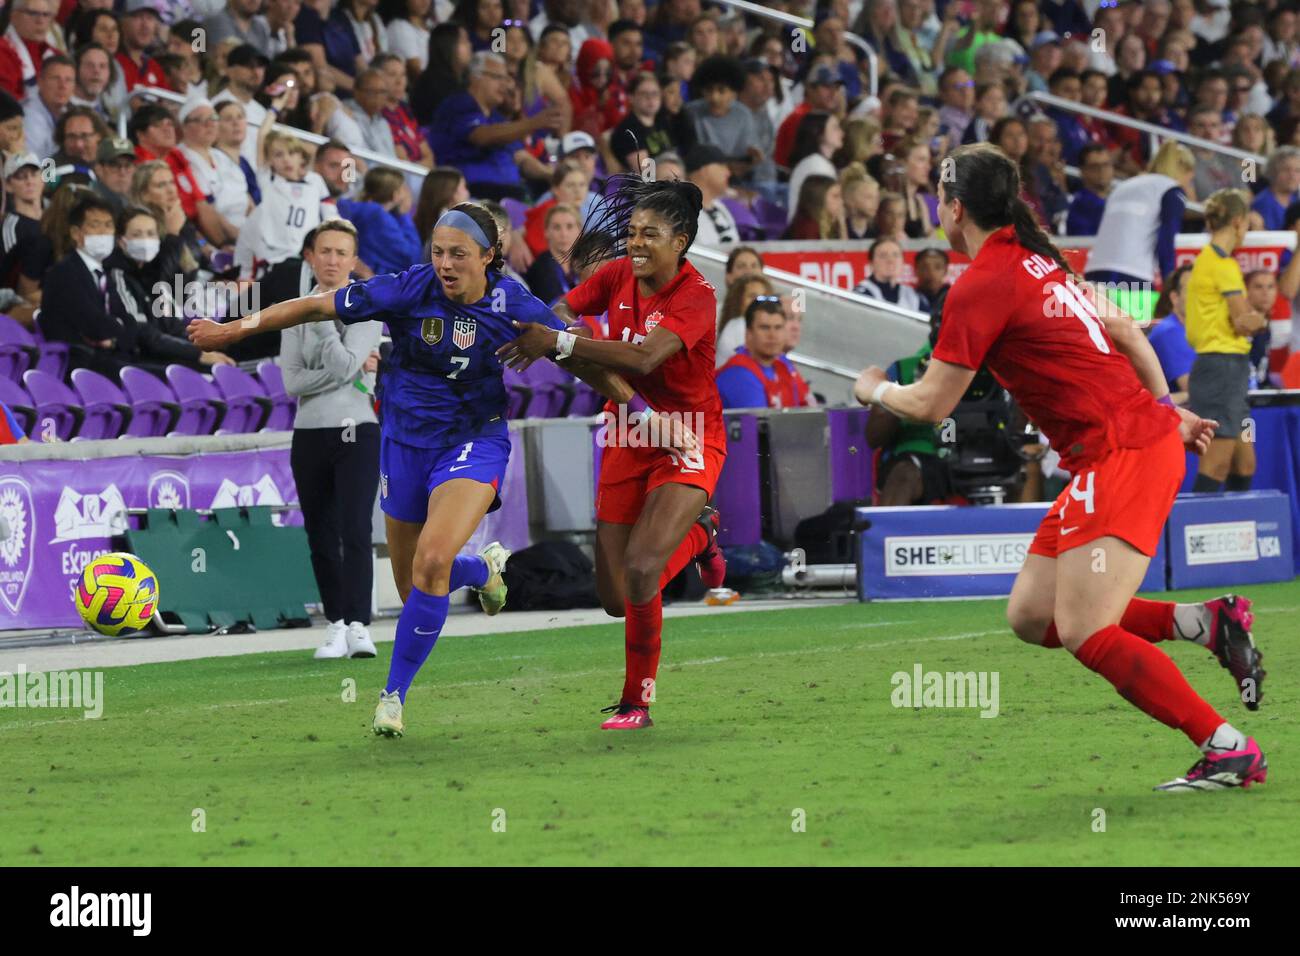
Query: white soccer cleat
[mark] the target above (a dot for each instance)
(492, 595)
(388, 716)
(336, 642)
(359, 642)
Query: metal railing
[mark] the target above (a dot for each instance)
(804, 23)
(1160, 132)
(316, 139)
(791, 278)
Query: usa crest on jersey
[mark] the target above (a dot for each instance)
(463, 333)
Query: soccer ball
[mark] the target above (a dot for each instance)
(117, 594)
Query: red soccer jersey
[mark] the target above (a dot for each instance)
(1020, 315)
(688, 307)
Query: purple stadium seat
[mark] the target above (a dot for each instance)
(54, 355)
(18, 349)
(55, 402)
(283, 405)
(202, 407)
(555, 390)
(751, 230)
(516, 210)
(771, 217)
(519, 393)
(19, 402)
(107, 411)
(586, 401)
(153, 404)
(247, 406)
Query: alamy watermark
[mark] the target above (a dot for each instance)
(656, 430)
(76, 690)
(922, 688)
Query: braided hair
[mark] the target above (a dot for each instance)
(987, 182)
(604, 236)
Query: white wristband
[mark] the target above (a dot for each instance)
(878, 396)
(564, 342)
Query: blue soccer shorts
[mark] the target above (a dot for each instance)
(408, 475)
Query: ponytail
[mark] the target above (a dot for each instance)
(987, 182)
(1032, 236)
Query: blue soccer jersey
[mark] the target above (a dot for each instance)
(442, 384)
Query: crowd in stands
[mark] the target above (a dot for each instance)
(117, 197)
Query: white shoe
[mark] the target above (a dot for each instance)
(388, 716)
(358, 640)
(492, 595)
(336, 642)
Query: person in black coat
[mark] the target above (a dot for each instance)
(94, 299)
(549, 277)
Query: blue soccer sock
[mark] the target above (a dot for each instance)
(468, 571)
(417, 631)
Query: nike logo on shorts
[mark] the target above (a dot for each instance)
(1068, 530)
(459, 467)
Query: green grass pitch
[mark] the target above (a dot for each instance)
(759, 716)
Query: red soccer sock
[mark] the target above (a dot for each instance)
(1149, 680)
(1153, 621)
(642, 636)
(696, 540)
(1150, 620)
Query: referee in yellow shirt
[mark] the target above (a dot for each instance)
(1220, 323)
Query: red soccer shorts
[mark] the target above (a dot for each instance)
(628, 475)
(1127, 495)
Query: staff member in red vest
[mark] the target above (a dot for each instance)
(758, 376)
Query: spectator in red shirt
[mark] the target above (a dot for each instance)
(598, 102)
(821, 95)
(407, 141)
(23, 46)
(139, 33)
(760, 376)
(155, 138)
(628, 43)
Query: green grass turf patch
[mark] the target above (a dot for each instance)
(758, 716)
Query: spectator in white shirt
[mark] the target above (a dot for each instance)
(817, 139)
(370, 97)
(245, 70)
(217, 174)
(55, 83)
(408, 34)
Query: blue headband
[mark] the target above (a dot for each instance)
(465, 223)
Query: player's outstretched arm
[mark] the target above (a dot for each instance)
(215, 336)
(932, 399)
(628, 358)
(610, 384)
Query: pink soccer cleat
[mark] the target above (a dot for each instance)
(1223, 769)
(1232, 643)
(627, 717)
(710, 561)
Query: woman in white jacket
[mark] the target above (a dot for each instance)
(335, 455)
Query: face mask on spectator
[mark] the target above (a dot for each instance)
(99, 247)
(143, 250)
